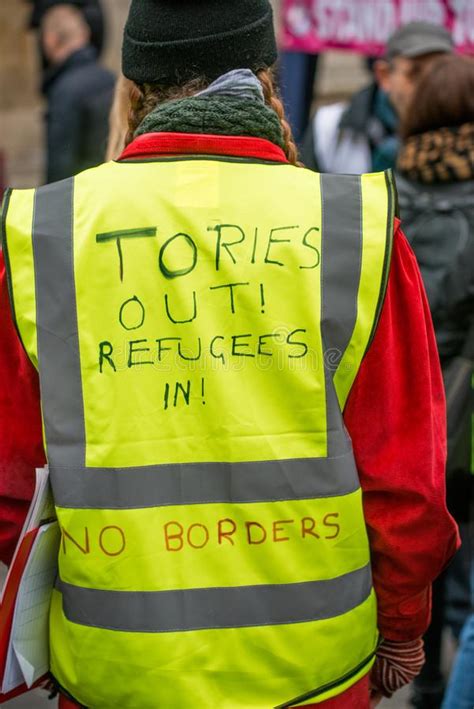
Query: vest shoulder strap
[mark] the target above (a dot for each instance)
(358, 218)
(16, 237)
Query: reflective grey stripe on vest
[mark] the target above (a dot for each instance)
(206, 608)
(76, 486)
(201, 483)
(341, 199)
(56, 318)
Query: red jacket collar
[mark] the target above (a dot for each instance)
(154, 144)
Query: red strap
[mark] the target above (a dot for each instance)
(11, 593)
(65, 703)
(357, 697)
(150, 144)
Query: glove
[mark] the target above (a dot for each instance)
(396, 664)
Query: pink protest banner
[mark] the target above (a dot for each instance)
(365, 25)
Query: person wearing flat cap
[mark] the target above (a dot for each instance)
(362, 135)
(410, 52)
(233, 363)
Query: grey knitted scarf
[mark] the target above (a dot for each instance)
(231, 105)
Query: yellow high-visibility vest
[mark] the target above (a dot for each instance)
(197, 325)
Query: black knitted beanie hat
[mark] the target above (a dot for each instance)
(170, 42)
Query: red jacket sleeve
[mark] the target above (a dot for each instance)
(395, 416)
(21, 445)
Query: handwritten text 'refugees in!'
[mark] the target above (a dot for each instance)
(277, 248)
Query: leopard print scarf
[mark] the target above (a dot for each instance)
(443, 155)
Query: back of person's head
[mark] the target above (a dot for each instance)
(444, 99)
(64, 30)
(173, 49)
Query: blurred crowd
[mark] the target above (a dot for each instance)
(415, 116)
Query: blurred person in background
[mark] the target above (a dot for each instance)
(361, 136)
(200, 147)
(459, 287)
(79, 94)
(460, 690)
(436, 193)
(91, 10)
(296, 77)
(296, 73)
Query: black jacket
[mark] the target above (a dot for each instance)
(439, 223)
(79, 95)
